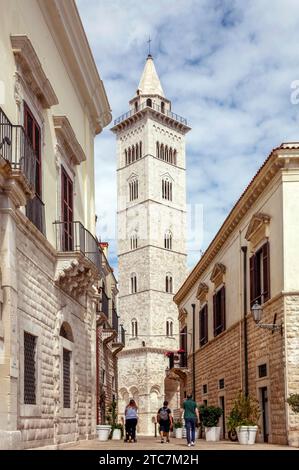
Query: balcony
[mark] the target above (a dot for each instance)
(154, 107)
(120, 340)
(17, 157)
(178, 364)
(35, 211)
(78, 259)
(103, 308)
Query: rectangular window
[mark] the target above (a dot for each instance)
(103, 377)
(260, 275)
(29, 369)
(205, 402)
(66, 378)
(32, 130)
(67, 211)
(219, 311)
(203, 325)
(262, 370)
(205, 389)
(221, 384)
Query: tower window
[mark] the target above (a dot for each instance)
(140, 149)
(137, 151)
(169, 328)
(133, 190)
(134, 241)
(157, 150)
(136, 106)
(162, 107)
(168, 240)
(149, 102)
(168, 284)
(129, 156)
(126, 157)
(134, 326)
(166, 189)
(133, 283)
(133, 154)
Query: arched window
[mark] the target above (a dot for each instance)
(162, 152)
(133, 283)
(170, 155)
(169, 328)
(66, 331)
(168, 240)
(126, 156)
(134, 326)
(134, 241)
(168, 283)
(166, 189)
(140, 149)
(129, 155)
(137, 151)
(133, 190)
(166, 153)
(157, 150)
(149, 102)
(133, 153)
(67, 339)
(174, 157)
(162, 107)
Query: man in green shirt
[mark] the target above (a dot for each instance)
(191, 415)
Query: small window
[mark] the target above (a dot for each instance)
(136, 106)
(134, 326)
(29, 369)
(134, 241)
(205, 402)
(149, 102)
(221, 384)
(168, 240)
(103, 377)
(133, 283)
(166, 189)
(133, 190)
(162, 107)
(169, 328)
(262, 370)
(168, 284)
(219, 311)
(205, 389)
(66, 378)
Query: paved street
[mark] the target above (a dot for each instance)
(151, 443)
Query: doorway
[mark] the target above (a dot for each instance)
(222, 419)
(265, 412)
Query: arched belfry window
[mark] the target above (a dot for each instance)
(136, 106)
(149, 102)
(134, 328)
(133, 189)
(168, 240)
(157, 150)
(134, 241)
(133, 283)
(137, 151)
(169, 328)
(166, 189)
(133, 153)
(126, 157)
(140, 149)
(168, 283)
(162, 107)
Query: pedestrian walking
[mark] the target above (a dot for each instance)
(165, 420)
(131, 417)
(191, 415)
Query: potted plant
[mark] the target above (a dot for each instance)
(178, 427)
(293, 402)
(244, 418)
(210, 417)
(117, 432)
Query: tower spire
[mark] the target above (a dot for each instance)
(150, 83)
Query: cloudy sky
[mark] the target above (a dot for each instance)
(228, 67)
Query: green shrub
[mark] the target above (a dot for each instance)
(293, 401)
(209, 415)
(245, 412)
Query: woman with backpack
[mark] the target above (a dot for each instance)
(131, 417)
(164, 418)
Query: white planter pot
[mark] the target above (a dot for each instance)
(116, 435)
(213, 434)
(179, 433)
(184, 432)
(247, 434)
(252, 430)
(103, 431)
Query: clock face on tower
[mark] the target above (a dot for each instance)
(151, 219)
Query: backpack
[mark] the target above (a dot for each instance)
(163, 414)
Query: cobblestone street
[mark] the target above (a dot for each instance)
(152, 443)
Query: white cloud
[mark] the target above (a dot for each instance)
(228, 69)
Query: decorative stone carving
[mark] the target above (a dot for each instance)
(202, 292)
(258, 228)
(76, 275)
(67, 139)
(217, 276)
(32, 70)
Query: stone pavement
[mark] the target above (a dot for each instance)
(152, 443)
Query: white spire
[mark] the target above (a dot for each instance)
(150, 83)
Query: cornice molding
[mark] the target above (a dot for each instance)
(32, 70)
(67, 139)
(285, 156)
(258, 222)
(202, 291)
(64, 23)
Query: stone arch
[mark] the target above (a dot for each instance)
(134, 393)
(66, 331)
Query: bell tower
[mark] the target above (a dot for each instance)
(151, 216)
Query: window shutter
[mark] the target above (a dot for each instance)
(252, 279)
(214, 314)
(223, 308)
(206, 323)
(266, 271)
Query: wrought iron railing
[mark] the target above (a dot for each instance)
(155, 107)
(183, 359)
(177, 360)
(16, 148)
(35, 211)
(114, 320)
(73, 236)
(105, 304)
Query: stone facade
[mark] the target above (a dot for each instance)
(253, 258)
(49, 272)
(149, 217)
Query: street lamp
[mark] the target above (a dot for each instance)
(257, 312)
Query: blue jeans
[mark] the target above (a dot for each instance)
(190, 427)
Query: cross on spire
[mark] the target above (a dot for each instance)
(149, 45)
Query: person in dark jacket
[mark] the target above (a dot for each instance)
(164, 418)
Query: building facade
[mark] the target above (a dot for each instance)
(151, 243)
(53, 103)
(253, 260)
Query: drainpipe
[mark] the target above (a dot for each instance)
(244, 250)
(193, 351)
(97, 373)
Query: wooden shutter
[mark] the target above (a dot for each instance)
(203, 331)
(222, 308)
(266, 271)
(252, 279)
(215, 313)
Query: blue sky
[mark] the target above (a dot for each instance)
(227, 66)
